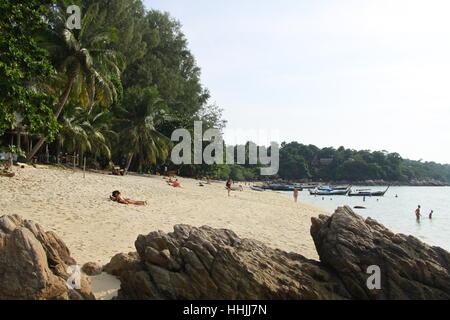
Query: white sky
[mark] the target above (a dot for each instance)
(364, 74)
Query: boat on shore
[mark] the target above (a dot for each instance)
(256, 188)
(339, 187)
(368, 193)
(322, 191)
(308, 186)
(281, 187)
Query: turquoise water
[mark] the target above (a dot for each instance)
(398, 214)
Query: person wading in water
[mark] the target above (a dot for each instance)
(418, 213)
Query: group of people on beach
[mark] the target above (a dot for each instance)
(418, 214)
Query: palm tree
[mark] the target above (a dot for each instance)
(143, 111)
(85, 130)
(83, 60)
(100, 133)
(74, 135)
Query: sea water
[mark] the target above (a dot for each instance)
(398, 213)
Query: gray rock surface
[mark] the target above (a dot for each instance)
(410, 269)
(206, 263)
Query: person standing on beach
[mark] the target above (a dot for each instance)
(295, 194)
(418, 212)
(431, 215)
(228, 185)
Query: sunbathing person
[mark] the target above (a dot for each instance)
(117, 196)
(176, 184)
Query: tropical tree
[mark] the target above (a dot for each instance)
(83, 58)
(142, 111)
(86, 130)
(74, 135)
(21, 60)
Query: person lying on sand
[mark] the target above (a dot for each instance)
(117, 196)
(175, 184)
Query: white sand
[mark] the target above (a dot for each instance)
(94, 228)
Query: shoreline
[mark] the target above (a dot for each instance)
(95, 229)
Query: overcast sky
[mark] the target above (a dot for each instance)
(363, 74)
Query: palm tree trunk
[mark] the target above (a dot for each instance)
(130, 158)
(10, 161)
(141, 162)
(62, 101)
(58, 151)
(74, 159)
(81, 158)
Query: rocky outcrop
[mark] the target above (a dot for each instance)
(409, 268)
(34, 263)
(206, 263)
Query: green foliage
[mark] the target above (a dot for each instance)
(87, 130)
(167, 65)
(13, 149)
(22, 63)
(86, 63)
(298, 161)
(140, 112)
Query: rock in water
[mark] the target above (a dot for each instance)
(34, 263)
(206, 263)
(409, 268)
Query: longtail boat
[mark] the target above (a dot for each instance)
(364, 193)
(329, 192)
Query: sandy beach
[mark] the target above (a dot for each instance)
(94, 228)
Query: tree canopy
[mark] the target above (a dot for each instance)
(22, 64)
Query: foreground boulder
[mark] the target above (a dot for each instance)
(34, 263)
(206, 263)
(409, 268)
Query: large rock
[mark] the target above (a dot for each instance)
(206, 263)
(409, 268)
(34, 263)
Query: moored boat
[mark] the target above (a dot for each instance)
(282, 187)
(368, 193)
(329, 192)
